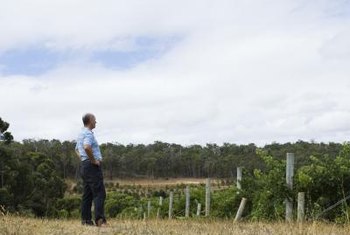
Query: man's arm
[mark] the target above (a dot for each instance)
(88, 151)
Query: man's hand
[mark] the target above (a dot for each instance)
(88, 151)
(96, 162)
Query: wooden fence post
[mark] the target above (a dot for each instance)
(289, 181)
(160, 205)
(207, 197)
(199, 208)
(239, 178)
(187, 209)
(240, 209)
(171, 199)
(301, 207)
(148, 208)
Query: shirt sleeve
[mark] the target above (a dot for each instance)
(88, 139)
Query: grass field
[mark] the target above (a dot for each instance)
(15, 225)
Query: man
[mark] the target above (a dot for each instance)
(89, 152)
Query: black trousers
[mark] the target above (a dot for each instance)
(94, 190)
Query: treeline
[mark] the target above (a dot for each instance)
(165, 160)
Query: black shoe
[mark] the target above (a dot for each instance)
(101, 223)
(87, 223)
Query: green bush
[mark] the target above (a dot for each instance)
(130, 213)
(116, 202)
(5, 198)
(225, 203)
(69, 205)
(63, 214)
(266, 190)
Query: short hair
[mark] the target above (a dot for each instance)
(87, 118)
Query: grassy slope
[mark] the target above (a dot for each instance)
(20, 225)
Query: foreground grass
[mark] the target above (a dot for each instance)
(20, 225)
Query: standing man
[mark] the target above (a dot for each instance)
(89, 153)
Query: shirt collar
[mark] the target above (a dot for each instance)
(85, 128)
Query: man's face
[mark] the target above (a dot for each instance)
(93, 122)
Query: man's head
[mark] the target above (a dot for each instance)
(89, 121)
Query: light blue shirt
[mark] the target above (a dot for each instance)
(86, 137)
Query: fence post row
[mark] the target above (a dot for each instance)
(289, 201)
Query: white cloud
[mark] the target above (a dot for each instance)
(243, 71)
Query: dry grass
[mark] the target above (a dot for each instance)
(20, 225)
(158, 182)
(149, 183)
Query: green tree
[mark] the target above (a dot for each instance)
(267, 189)
(4, 134)
(48, 186)
(326, 180)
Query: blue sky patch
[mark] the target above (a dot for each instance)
(145, 48)
(338, 9)
(122, 60)
(29, 61)
(39, 60)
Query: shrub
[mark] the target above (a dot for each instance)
(68, 204)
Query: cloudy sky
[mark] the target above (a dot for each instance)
(184, 71)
